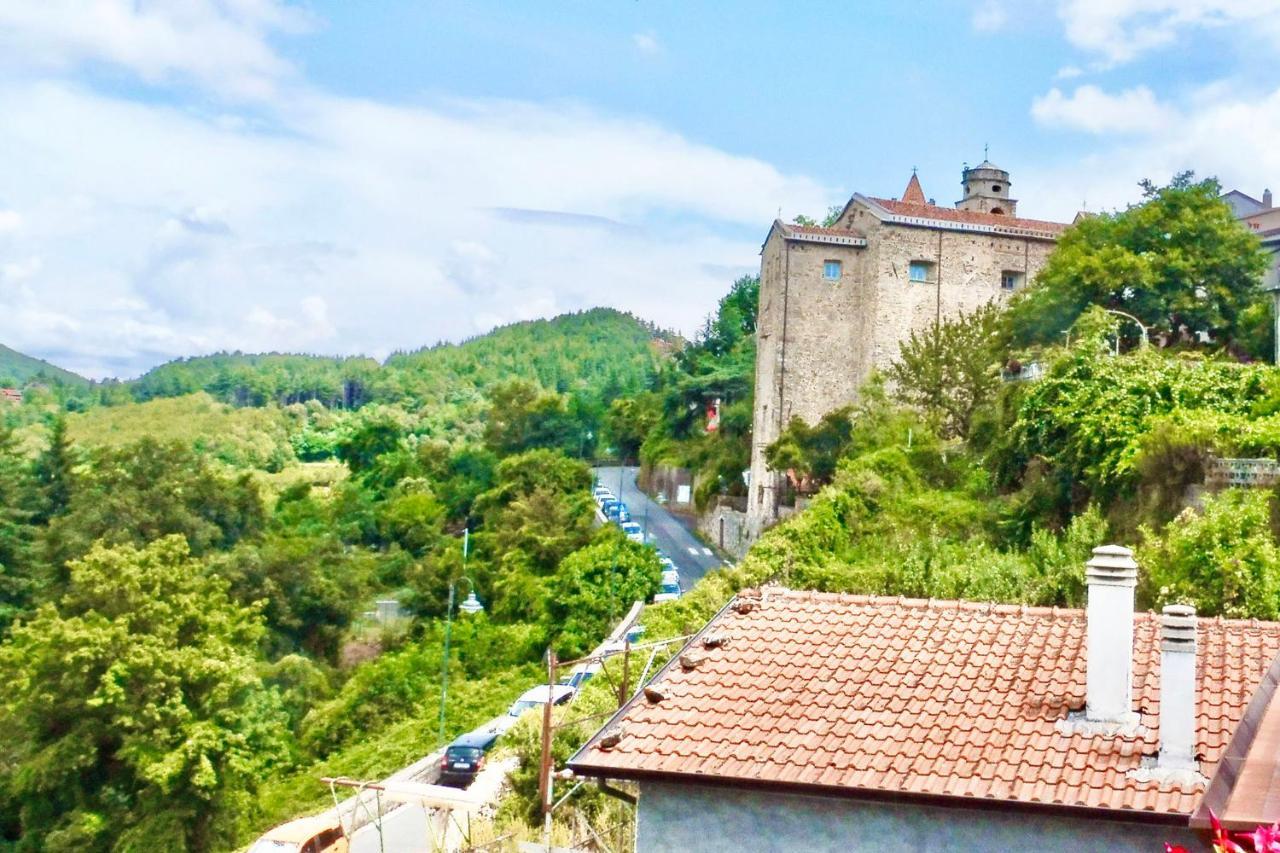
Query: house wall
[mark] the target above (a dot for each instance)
(819, 340)
(723, 820)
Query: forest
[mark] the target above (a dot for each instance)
(185, 572)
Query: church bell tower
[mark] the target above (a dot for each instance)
(986, 189)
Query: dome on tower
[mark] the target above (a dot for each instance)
(986, 189)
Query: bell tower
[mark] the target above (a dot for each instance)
(986, 189)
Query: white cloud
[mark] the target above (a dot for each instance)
(646, 43)
(1120, 30)
(989, 17)
(221, 45)
(10, 220)
(357, 226)
(1068, 72)
(1231, 138)
(1091, 109)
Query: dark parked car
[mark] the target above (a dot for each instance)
(465, 757)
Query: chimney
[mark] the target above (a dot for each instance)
(1178, 688)
(1266, 199)
(1112, 575)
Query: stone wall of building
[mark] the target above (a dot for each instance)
(725, 525)
(820, 339)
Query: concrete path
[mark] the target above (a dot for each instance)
(665, 529)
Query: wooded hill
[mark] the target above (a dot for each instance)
(17, 369)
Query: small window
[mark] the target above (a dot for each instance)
(919, 271)
(1011, 280)
(831, 270)
(995, 188)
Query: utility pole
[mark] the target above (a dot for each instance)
(471, 605)
(545, 782)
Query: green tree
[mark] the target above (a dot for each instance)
(595, 585)
(628, 421)
(951, 369)
(136, 718)
(373, 438)
(811, 452)
(1223, 560)
(1179, 262)
(308, 588)
(55, 471)
(521, 417)
(16, 581)
(147, 490)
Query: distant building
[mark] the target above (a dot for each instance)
(10, 395)
(799, 721)
(836, 303)
(1260, 217)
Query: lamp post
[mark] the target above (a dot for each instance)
(469, 606)
(1142, 341)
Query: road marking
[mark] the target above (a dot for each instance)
(693, 551)
(706, 552)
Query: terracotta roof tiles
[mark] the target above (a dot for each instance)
(921, 210)
(938, 698)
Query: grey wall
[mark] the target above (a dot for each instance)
(692, 818)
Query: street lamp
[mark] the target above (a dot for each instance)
(1142, 341)
(470, 606)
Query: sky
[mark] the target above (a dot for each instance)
(190, 176)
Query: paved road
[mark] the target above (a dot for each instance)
(668, 531)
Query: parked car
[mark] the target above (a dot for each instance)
(634, 532)
(535, 697)
(577, 678)
(616, 511)
(668, 565)
(668, 592)
(304, 835)
(671, 576)
(465, 757)
(601, 494)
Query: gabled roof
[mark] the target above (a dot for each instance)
(933, 216)
(1242, 204)
(914, 194)
(947, 700)
(816, 234)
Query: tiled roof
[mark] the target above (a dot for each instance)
(935, 698)
(914, 193)
(969, 217)
(820, 231)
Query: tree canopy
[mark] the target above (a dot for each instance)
(1178, 261)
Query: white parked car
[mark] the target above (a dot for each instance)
(671, 576)
(536, 696)
(669, 592)
(634, 531)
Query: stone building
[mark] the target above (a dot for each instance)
(1262, 218)
(837, 302)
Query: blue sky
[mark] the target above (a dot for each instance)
(194, 175)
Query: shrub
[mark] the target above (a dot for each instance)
(1222, 560)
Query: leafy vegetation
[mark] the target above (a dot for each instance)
(1179, 262)
(718, 366)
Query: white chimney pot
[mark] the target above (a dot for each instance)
(1178, 688)
(1112, 575)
